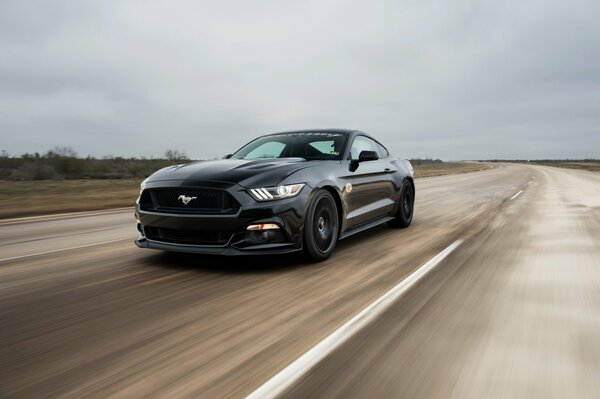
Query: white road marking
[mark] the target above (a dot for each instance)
(516, 195)
(61, 250)
(59, 216)
(284, 379)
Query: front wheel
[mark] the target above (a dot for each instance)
(321, 227)
(404, 214)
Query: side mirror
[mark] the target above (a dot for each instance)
(368, 156)
(362, 157)
(227, 156)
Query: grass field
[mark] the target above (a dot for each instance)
(591, 166)
(447, 168)
(42, 197)
(27, 198)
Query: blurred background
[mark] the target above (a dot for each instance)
(431, 79)
(116, 90)
(496, 104)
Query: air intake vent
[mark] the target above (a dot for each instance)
(189, 237)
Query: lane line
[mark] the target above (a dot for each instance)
(516, 195)
(61, 250)
(60, 216)
(285, 378)
(59, 236)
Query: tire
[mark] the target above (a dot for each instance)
(321, 228)
(404, 214)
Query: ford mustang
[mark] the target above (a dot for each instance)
(280, 193)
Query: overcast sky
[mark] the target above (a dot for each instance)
(449, 79)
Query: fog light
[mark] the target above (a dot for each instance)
(263, 226)
(265, 235)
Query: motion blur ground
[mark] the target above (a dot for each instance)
(513, 312)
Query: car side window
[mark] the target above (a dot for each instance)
(362, 143)
(383, 153)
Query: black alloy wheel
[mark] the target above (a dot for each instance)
(321, 227)
(404, 214)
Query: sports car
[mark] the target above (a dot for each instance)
(280, 193)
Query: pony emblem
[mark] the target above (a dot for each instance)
(186, 200)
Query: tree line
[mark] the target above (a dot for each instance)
(63, 163)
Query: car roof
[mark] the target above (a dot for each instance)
(347, 132)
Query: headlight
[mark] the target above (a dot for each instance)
(275, 193)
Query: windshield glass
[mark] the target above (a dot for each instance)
(311, 146)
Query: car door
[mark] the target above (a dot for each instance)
(372, 186)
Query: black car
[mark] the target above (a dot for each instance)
(283, 192)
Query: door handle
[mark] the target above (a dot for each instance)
(387, 171)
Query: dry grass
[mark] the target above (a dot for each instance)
(448, 168)
(30, 198)
(27, 198)
(590, 166)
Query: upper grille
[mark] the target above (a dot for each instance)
(204, 200)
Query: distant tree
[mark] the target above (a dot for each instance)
(424, 161)
(61, 152)
(33, 171)
(4, 154)
(176, 155)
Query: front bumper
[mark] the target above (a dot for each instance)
(267, 249)
(288, 214)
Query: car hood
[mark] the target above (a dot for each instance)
(248, 173)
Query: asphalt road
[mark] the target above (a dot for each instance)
(513, 311)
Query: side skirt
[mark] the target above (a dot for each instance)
(366, 226)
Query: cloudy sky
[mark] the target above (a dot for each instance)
(461, 79)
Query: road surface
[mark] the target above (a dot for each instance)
(512, 309)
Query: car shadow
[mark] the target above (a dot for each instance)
(256, 264)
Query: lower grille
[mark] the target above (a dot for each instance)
(189, 200)
(189, 237)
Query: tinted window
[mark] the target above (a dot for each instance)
(311, 146)
(271, 149)
(324, 147)
(383, 153)
(362, 143)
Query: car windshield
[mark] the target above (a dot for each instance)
(311, 146)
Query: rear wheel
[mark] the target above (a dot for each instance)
(321, 227)
(404, 214)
